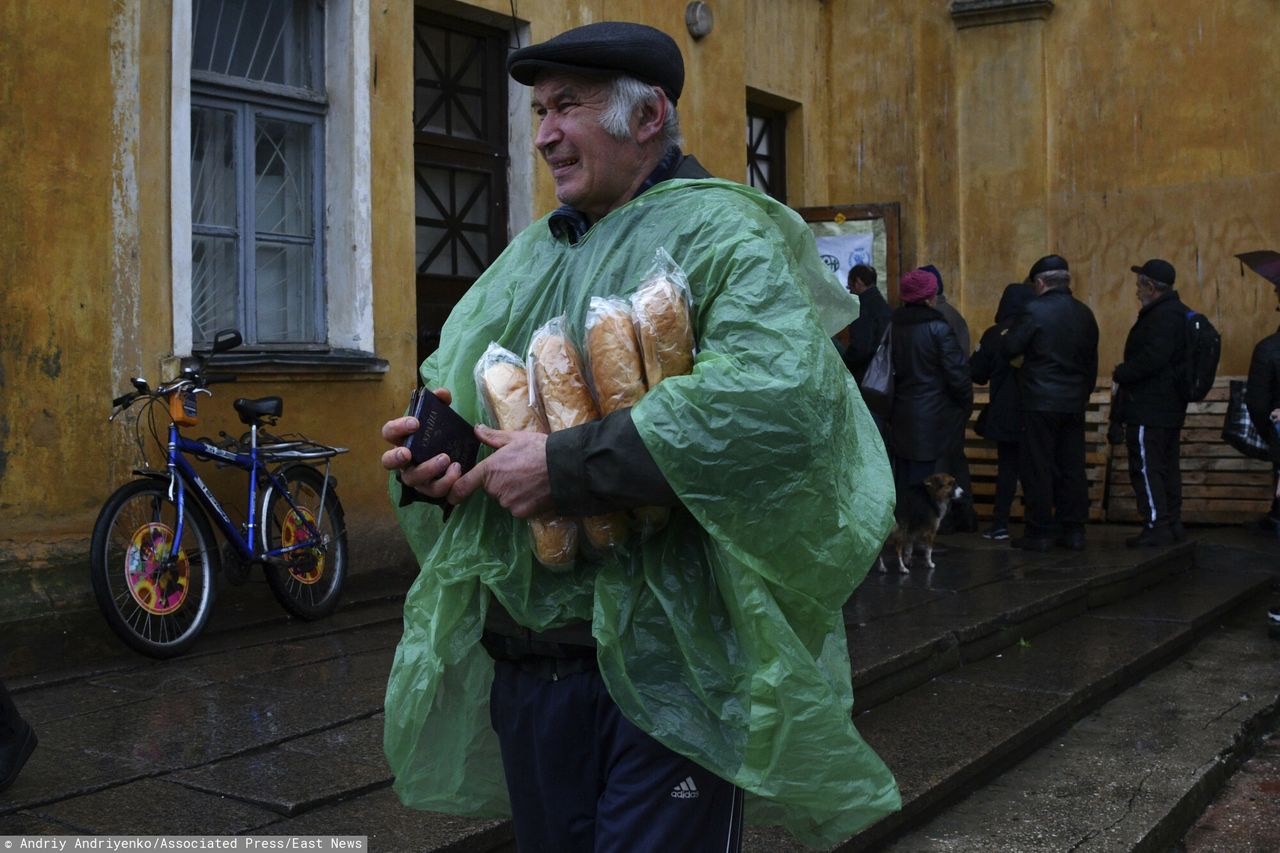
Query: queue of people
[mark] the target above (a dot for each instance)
(614, 702)
(1041, 359)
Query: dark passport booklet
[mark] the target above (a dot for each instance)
(440, 430)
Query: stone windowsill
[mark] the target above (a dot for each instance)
(979, 13)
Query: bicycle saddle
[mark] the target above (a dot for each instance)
(256, 409)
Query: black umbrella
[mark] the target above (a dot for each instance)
(1265, 263)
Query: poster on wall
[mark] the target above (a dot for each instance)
(853, 234)
(842, 252)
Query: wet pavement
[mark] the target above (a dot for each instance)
(273, 726)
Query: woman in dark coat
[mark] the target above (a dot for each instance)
(932, 392)
(1000, 421)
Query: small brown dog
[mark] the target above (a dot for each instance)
(921, 508)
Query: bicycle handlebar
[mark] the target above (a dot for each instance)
(192, 375)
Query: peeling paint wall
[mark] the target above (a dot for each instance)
(57, 257)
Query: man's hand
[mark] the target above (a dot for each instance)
(516, 474)
(433, 478)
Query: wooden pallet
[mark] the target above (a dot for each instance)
(1219, 485)
(981, 454)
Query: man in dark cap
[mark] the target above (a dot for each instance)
(1056, 338)
(624, 692)
(1153, 403)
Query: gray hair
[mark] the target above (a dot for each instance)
(1054, 279)
(1158, 285)
(626, 96)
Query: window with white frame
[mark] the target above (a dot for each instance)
(258, 113)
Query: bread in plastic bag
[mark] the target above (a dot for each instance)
(561, 392)
(660, 310)
(613, 354)
(503, 386)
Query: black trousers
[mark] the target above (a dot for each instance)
(1155, 471)
(1054, 487)
(1007, 476)
(583, 779)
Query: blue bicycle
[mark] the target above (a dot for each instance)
(154, 558)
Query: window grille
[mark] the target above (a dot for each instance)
(257, 146)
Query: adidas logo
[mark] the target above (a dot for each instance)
(686, 790)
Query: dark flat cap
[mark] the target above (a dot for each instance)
(1157, 269)
(1049, 263)
(607, 47)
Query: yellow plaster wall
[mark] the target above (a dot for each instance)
(1108, 132)
(1164, 129)
(56, 299)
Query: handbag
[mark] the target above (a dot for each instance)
(877, 382)
(1239, 431)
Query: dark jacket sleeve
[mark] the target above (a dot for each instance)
(1262, 392)
(1020, 334)
(984, 359)
(955, 367)
(864, 338)
(603, 466)
(1156, 352)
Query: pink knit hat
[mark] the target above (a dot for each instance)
(917, 286)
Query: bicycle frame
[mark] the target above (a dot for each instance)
(183, 475)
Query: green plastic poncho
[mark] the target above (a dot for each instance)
(722, 636)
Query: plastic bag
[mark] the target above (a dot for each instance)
(616, 371)
(660, 309)
(503, 386)
(613, 355)
(877, 382)
(1238, 429)
(561, 394)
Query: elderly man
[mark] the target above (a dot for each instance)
(633, 698)
(1154, 405)
(1057, 340)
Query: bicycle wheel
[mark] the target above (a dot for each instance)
(155, 593)
(306, 581)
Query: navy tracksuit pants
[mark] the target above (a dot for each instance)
(1156, 473)
(583, 779)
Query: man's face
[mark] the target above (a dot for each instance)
(593, 171)
(1146, 291)
(857, 286)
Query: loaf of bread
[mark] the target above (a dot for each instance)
(561, 389)
(503, 385)
(566, 402)
(660, 311)
(617, 374)
(613, 355)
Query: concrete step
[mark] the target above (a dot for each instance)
(1016, 645)
(1080, 634)
(1134, 774)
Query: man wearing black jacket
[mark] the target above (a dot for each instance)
(1057, 340)
(1155, 404)
(873, 318)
